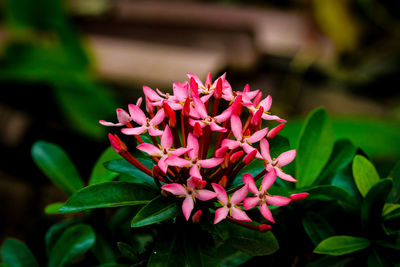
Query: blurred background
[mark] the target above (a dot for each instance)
(65, 64)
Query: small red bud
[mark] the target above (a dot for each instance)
(257, 99)
(223, 181)
(117, 144)
(194, 88)
(299, 196)
(256, 120)
(170, 114)
(186, 107)
(221, 151)
(225, 163)
(208, 80)
(197, 130)
(246, 88)
(247, 132)
(236, 156)
(264, 227)
(218, 89)
(271, 134)
(237, 105)
(196, 217)
(249, 157)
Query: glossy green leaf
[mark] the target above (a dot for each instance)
(333, 193)
(341, 245)
(365, 174)
(342, 155)
(391, 209)
(254, 168)
(54, 233)
(168, 251)
(100, 173)
(372, 206)
(396, 183)
(316, 227)
(103, 249)
(109, 194)
(136, 176)
(73, 243)
(56, 164)
(127, 251)
(344, 178)
(157, 210)
(15, 253)
(53, 208)
(230, 256)
(314, 147)
(252, 242)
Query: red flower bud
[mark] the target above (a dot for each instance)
(170, 114)
(299, 196)
(194, 88)
(218, 89)
(197, 130)
(186, 107)
(196, 217)
(249, 157)
(221, 151)
(264, 227)
(236, 156)
(117, 144)
(271, 134)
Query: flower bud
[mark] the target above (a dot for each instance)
(264, 227)
(170, 114)
(249, 157)
(208, 80)
(194, 88)
(257, 99)
(117, 144)
(186, 107)
(197, 130)
(196, 217)
(223, 181)
(299, 196)
(218, 89)
(256, 120)
(271, 134)
(221, 151)
(236, 156)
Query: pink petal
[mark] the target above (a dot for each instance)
(221, 193)
(249, 149)
(149, 149)
(284, 176)
(205, 98)
(272, 118)
(266, 103)
(187, 207)
(220, 214)
(231, 144)
(210, 163)
(195, 172)
(177, 161)
(250, 202)
(180, 90)
(134, 131)
(193, 143)
(191, 182)
(205, 195)
(174, 188)
(166, 138)
(155, 132)
(264, 145)
(286, 157)
(200, 107)
(240, 215)
(266, 213)
(239, 195)
(123, 116)
(137, 114)
(151, 94)
(197, 79)
(257, 136)
(106, 123)
(216, 128)
(221, 151)
(248, 179)
(268, 180)
(208, 80)
(162, 165)
(224, 115)
(180, 151)
(158, 118)
(236, 126)
(277, 200)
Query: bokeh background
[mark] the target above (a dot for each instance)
(66, 64)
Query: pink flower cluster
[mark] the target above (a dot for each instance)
(199, 145)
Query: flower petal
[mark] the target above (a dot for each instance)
(240, 215)
(249, 180)
(250, 202)
(151, 94)
(220, 214)
(123, 116)
(193, 143)
(264, 145)
(216, 128)
(166, 138)
(155, 132)
(137, 114)
(196, 78)
(266, 213)
(266, 103)
(210, 163)
(187, 207)
(221, 193)
(268, 180)
(195, 172)
(224, 115)
(257, 136)
(177, 161)
(158, 118)
(236, 125)
(267, 117)
(106, 123)
(286, 157)
(180, 151)
(200, 107)
(205, 195)
(133, 131)
(239, 195)
(231, 144)
(284, 176)
(277, 200)
(162, 164)
(174, 188)
(149, 149)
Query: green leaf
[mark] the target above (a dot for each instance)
(396, 183)
(136, 176)
(109, 194)
(157, 210)
(56, 164)
(365, 174)
(314, 147)
(254, 168)
(372, 206)
(168, 251)
(73, 243)
(54, 233)
(230, 256)
(127, 251)
(252, 242)
(391, 210)
(15, 253)
(199, 249)
(392, 241)
(100, 173)
(341, 245)
(316, 227)
(333, 193)
(330, 261)
(53, 208)
(103, 249)
(342, 155)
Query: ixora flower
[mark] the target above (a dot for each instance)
(199, 138)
